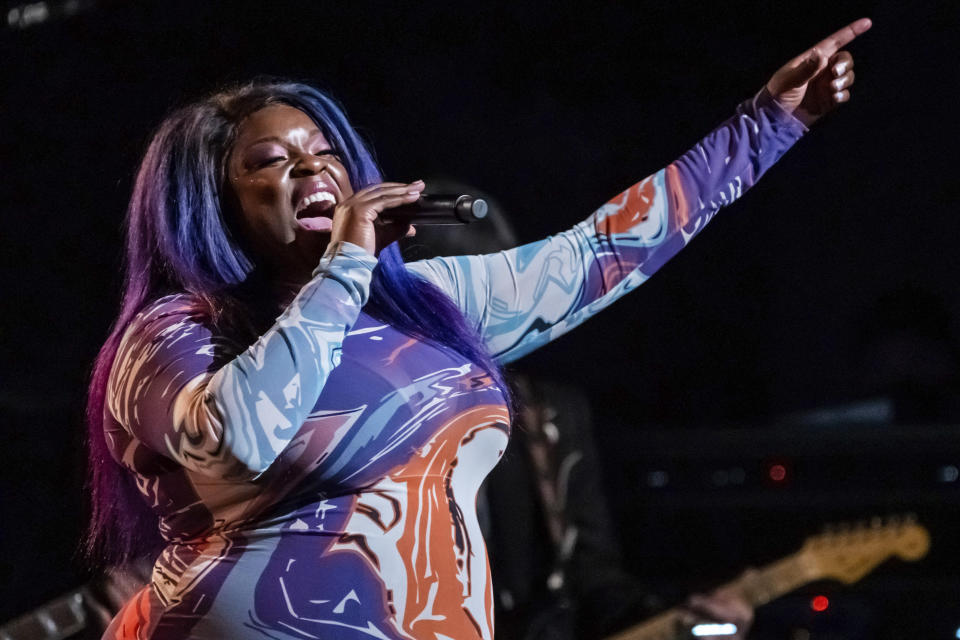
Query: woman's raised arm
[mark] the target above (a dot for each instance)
(522, 298)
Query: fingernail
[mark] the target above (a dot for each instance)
(840, 68)
(837, 84)
(838, 96)
(413, 192)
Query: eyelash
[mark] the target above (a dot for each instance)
(270, 161)
(329, 152)
(325, 152)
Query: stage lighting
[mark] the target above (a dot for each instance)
(820, 603)
(725, 629)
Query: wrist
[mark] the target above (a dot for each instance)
(784, 111)
(346, 253)
(805, 117)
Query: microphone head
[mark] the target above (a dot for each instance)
(470, 209)
(479, 208)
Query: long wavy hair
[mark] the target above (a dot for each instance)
(178, 240)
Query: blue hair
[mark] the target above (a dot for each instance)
(179, 239)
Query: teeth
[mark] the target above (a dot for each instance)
(319, 196)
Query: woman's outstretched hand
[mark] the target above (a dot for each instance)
(819, 79)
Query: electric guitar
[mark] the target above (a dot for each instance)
(843, 553)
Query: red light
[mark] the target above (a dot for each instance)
(777, 472)
(819, 603)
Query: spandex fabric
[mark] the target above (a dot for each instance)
(321, 482)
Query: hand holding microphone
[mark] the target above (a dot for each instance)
(357, 219)
(381, 213)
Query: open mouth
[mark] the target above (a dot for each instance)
(315, 212)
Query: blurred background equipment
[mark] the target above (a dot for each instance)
(845, 555)
(32, 14)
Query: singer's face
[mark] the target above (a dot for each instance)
(284, 180)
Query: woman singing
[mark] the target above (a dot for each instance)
(304, 419)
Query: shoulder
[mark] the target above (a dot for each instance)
(169, 320)
(163, 347)
(173, 305)
(169, 341)
(171, 309)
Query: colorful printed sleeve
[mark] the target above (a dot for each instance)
(189, 394)
(522, 298)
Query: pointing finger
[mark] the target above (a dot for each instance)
(836, 41)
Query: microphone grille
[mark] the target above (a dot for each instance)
(479, 208)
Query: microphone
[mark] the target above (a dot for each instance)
(436, 208)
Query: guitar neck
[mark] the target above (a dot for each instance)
(846, 555)
(757, 586)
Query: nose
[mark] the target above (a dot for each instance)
(308, 165)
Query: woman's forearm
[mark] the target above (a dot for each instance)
(522, 298)
(233, 422)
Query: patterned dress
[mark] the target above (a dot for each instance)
(321, 483)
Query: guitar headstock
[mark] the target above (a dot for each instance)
(847, 553)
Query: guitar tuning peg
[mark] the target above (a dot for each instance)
(894, 520)
(876, 522)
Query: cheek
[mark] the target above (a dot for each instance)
(258, 192)
(340, 174)
(261, 202)
(261, 223)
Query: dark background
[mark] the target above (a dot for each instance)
(815, 322)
